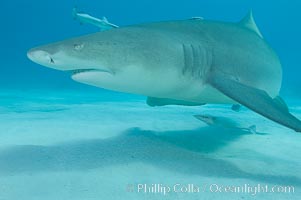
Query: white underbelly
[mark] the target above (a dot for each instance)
(198, 93)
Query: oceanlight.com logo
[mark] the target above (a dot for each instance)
(253, 190)
(165, 189)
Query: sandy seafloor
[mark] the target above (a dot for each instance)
(70, 144)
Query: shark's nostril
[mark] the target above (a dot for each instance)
(51, 60)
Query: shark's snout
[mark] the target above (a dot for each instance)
(41, 57)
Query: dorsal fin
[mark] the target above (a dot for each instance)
(249, 23)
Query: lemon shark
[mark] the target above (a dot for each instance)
(185, 62)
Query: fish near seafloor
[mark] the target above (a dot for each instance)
(225, 123)
(188, 62)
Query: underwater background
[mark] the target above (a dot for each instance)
(64, 140)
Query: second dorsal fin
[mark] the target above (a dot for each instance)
(249, 23)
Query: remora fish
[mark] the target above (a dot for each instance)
(84, 18)
(224, 123)
(189, 62)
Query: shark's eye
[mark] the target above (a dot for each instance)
(78, 47)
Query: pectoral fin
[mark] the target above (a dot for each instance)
(256, 100)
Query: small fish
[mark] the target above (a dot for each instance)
(224, 123)
(84, 18)
(197, 18)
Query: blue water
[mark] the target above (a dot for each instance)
(63, 140)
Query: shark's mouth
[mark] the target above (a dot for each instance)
(78, 71)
